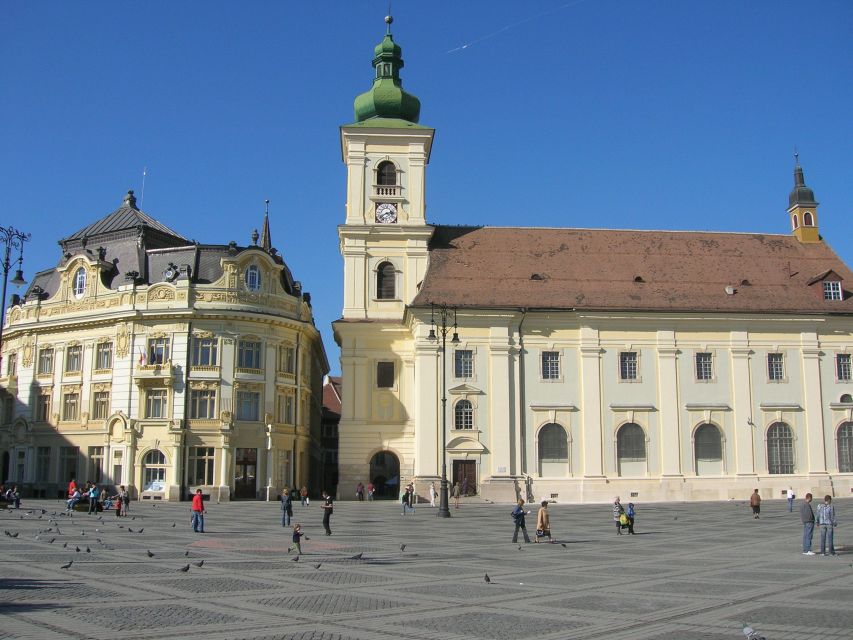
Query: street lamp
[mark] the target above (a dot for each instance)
(12, 239)
(443, 312)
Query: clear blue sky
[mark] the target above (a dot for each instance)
(646, 114)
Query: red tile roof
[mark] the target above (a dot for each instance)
(332, 395)
(608, 269)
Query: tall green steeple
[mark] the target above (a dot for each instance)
(386, 99)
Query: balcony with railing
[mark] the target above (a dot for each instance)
(387, 191)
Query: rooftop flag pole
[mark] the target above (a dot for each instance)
(142, 195)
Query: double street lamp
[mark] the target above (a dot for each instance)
(441, 315)
(12, 239)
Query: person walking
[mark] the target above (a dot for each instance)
(807, 518)
(629, 513)
(124, 500)
(755, 503)
(370, 491)
(94, 494)
(359, 491)
(303, 494)
(543, 523)
(327, 512)
(286, 507)
(457, 490)
(432, 494)
(465, 486)
(297, 536)
(827, 522)
(198, 512)
(618, 512)
(405, 500)
(791, 497)
(518, 517)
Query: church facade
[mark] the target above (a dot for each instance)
(582, 363)
(149, 360)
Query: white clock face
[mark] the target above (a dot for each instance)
(386, 213)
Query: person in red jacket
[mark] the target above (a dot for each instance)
(72, 487)
(198, 512)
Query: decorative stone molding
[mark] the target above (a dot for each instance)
(204, 385)
(122, 340)
(203, 334)
(27, 351)
(163, 293)
(101, 386)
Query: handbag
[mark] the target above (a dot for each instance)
(623, 519)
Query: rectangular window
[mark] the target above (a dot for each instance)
(73, 359)
(43, 407)
(842, 367)
(104, 356)
(70, 406)
(68, 457)
(158, 350)
(45, 362)
(385, 375)
(286, 408)
(200, 470)
(100, 405)
(248, 405)
(775, 366)
(204, 352)
(249, 354)
(550, 365)
(11, 364)
(155, 403)
(7, 407)
(832, 291)
(42, 464)
(463, 363)
(118, 457)
(628, 365)
(202, 404)
(287, 359)
(704, 366)
(96, 465)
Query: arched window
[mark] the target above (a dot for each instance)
(463, 415)
(807, 219)
(780, 448)
(386, 275)
(80, 282)
(154, 471)
(386, 174)
(708, 450)
(796, 221)
(631, 450)
(553, 444)
(846, 397)
(253, 278)
(845, 448)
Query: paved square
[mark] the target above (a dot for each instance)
(693, 571)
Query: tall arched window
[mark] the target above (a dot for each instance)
(845, 448)
(80, 282)
(154, 471)
(463, 415)
(780, 448)
(796, 221)
(386, 174)
(807, 219)
(253, 278)
(631, 450)
(708, 449)
(386, 275)
(553, 444)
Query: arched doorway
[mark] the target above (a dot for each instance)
(708, 450)
(631, 450)
(385, 474)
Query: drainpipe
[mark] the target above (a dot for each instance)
(522, 416)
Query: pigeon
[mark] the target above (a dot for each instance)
(150, 555)
(133, 518)
(14, 535)
(77, 549)
(199, 563)
(130, 530)
(487, 579)
(357, 556)
(173, 525)
(186, 553)
(296, 559)
(141, 530)
(67, 566)
(402, 548)
(88, 550)
(64, 545)
(307, 538)
(82, 533)
(318, 565)
(6, 531)
(51, 541)
(519, 547)
(185, 568)
(563, 544)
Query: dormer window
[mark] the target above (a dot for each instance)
(832, 290)
(808, 220)
(79, 285)
(253, 278)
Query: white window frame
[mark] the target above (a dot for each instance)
(77, 350)
(79, 283)
(157, 397)
(45, 359)
(553, 377)
(471, 368)
(204, 352)
(832, 290)
(203, 398)
(103, 356)
(253, 278)
(843, 367)
(636, 377)
(782, 364)
(246, 399)
(711, 373)
(250, 354)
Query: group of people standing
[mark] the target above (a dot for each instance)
(826, 520)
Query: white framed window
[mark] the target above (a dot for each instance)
(45, 366)
(628, 365)
(70, 406)
(205, 352)
(154, 471)
(385, 375)
(287, 359)
(286, 408)
(463, 415)
(43, 464)
(704, 365)
(43, 403)
(73, 359)
(79, 285)
(780, 449)
(200, 469)
(550, 361)
(832, 290)
(104, 356)
(202, 404)
(249, 354)
(158, 350)
(100, 405)
(11, 363)
(843, 371)
(155, 403)
(248, 405)
(386, 279)
(463, 363)
(253, 278)
(776, 367)
(96, 465)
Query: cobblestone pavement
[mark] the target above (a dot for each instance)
(693, 572)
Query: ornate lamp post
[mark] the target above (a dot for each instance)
(12, 239)
(443, 313)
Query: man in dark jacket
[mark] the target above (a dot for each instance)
(807, 517)
(518, 516)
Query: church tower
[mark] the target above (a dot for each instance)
(802, 208)
(384, 238)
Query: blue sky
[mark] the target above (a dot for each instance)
(645, 114)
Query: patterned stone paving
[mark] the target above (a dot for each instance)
(693, 572)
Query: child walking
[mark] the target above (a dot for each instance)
(297, 535)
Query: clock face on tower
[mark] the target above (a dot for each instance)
(386, 213)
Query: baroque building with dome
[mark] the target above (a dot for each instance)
(694, 366)
(149, 360)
